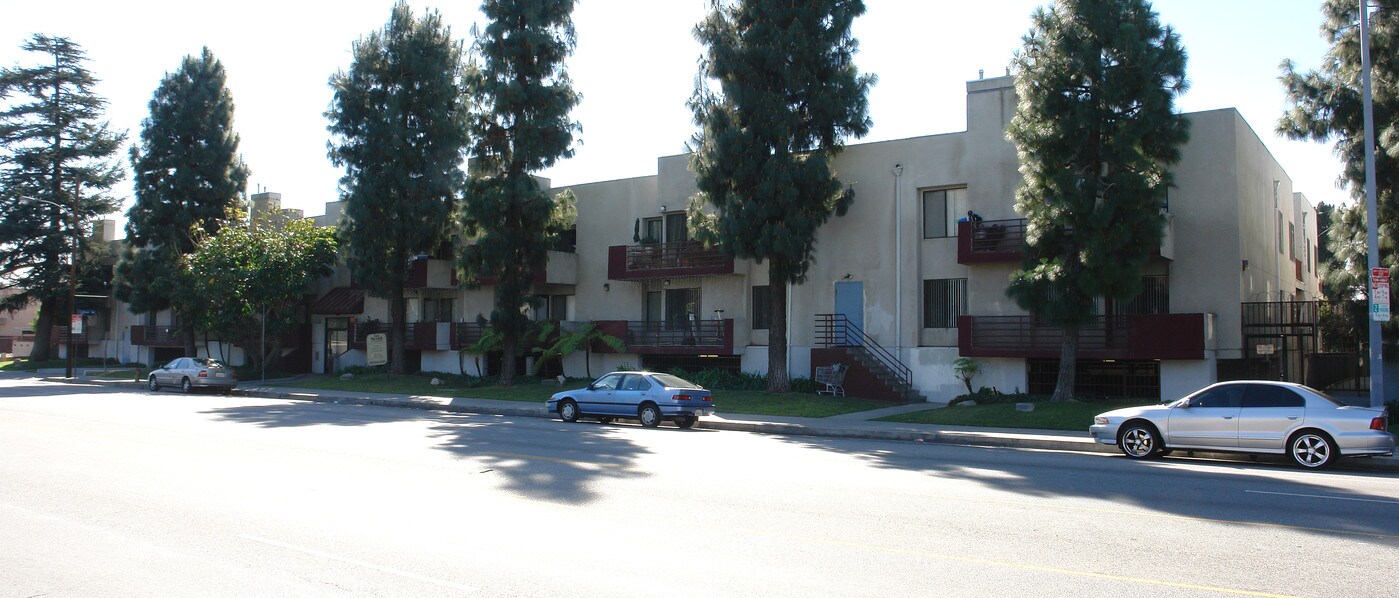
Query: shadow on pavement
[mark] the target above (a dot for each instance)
(1266, 491)
(537, 458)
(543, 459)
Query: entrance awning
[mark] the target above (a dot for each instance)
(341, 301)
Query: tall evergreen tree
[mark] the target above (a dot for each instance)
(788, 95)
(1096, 131)
(523, 126)
(399, 121)
(190, 182)
(55, 147)
(1326, 106)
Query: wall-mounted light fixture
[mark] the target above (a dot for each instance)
(662, 208)
(606, 286)
(667, 282)
(847, 276)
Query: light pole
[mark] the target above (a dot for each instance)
(72, 277)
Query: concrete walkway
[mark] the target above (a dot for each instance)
(850, 425)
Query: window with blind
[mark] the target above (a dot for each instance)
(762, 307)
(943, 301)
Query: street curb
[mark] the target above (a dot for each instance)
(949, 437)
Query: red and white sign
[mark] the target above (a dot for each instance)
(1379, 294)
(77, 324)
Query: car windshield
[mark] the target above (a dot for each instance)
(209, 363)
(670, 381)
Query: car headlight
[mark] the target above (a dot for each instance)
(1100, 420)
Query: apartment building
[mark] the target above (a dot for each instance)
(903, 284)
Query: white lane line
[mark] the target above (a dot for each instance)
(359, 563)
(1387, 502)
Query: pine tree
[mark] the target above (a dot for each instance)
(1326, 105)
(190, 182)
(788, 95)
(399, 121)
(54, 147)
(1096, 131)
(525, 97)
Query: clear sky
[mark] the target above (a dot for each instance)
(635, 66)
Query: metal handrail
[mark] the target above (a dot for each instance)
(837, 330)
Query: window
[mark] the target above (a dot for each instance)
(1307, 256)
(676, 230)
(944, 300)
(652, 311)
(1291, 241)
(1266, 395)
(437, 310)
(762, 307)
(941, 209)
(1222, 396)
(652, 233)
(549, 307)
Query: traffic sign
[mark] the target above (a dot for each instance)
(87, 312)
(1379, 294)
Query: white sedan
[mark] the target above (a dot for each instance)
(1250, 416)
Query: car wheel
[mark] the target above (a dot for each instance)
(686, 423)
(568, 411)
(1311, 449)
(604, 420)
(155, 386)
(186, 386)
(650, 415)
(1139, 440)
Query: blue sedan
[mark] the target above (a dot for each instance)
(648, 397)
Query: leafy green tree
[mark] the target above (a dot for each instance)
(190, 182)
(399, 118)
(55, 147)
(1096, 131)
(244, 271)
(523, 126)
(788, 95)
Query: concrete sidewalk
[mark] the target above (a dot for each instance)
(850, 425)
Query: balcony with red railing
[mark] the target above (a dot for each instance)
(700, 337)
(156, 336)
(1148, 336)
(665, 260)
(990, 241)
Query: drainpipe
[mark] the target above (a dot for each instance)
(1277, 234)
(898, 267)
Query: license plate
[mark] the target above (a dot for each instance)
(220, 375)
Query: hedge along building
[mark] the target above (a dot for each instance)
(1225, 293)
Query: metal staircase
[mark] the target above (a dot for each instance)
(836, 331)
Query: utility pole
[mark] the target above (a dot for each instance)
(72, 272)
(1372, 217)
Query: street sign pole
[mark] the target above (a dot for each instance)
(1371, 212)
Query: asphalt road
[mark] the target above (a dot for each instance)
(107, 493)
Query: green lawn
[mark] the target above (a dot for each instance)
(531, 390)
(1076, 416)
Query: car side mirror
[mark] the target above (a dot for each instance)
(1183, 404)
(591, 387)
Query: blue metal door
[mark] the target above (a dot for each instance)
(850, 302)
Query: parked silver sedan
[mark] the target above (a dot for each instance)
(1250, 416)
(189, 373)
(648, 397)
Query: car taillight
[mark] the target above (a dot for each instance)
(680, 397)
(203, 373)
(1379, 423)
(709, 397)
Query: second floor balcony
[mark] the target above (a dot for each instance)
(1001, 241)
(156, 336)
(665, 260)
(1146, 336)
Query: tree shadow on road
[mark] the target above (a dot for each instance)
(543, 459)
(1230, 490)
(536, 458)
